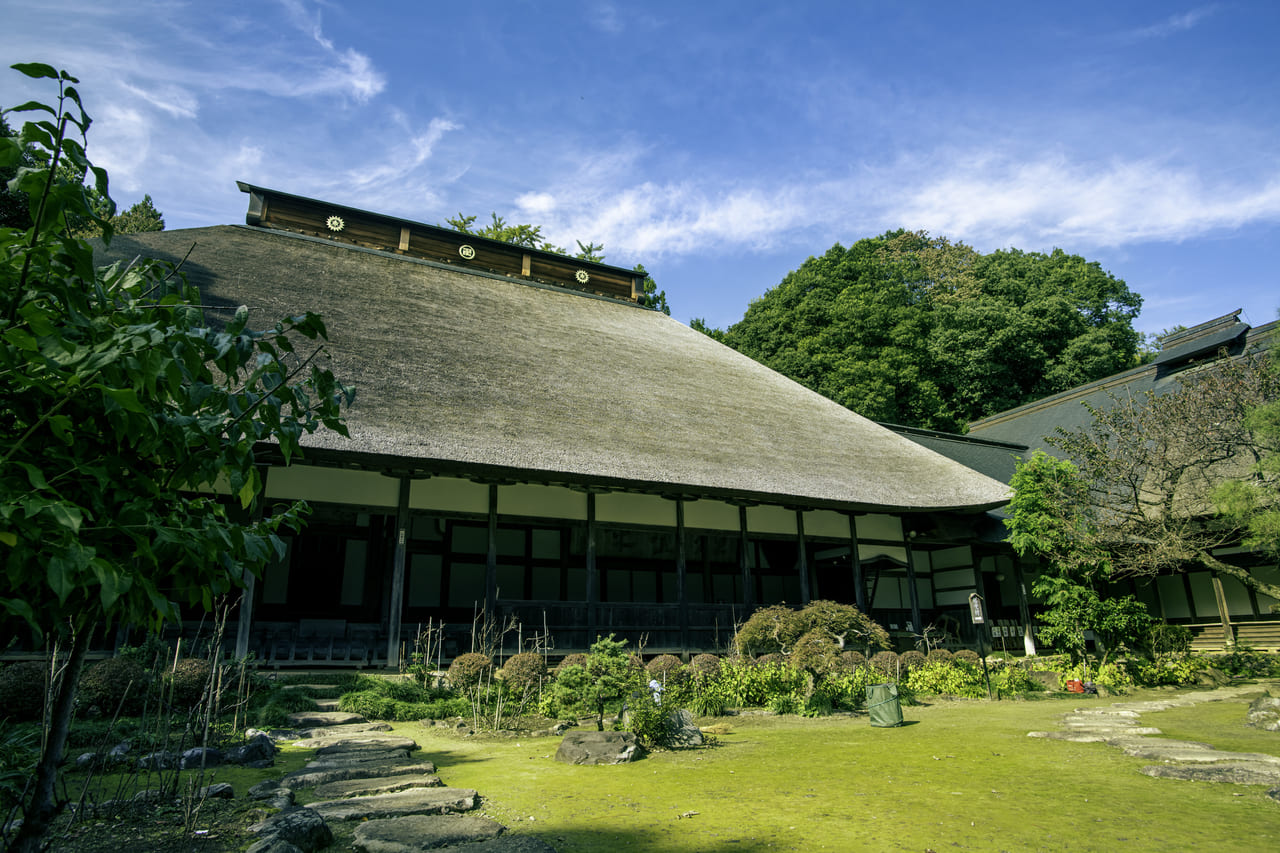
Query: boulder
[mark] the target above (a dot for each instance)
(303, 828)
(217, 791)
(159, 761)
(1264, 713)
(598, 748)
(422, 832)
(683, 731)
(200, 756)
(259, 748)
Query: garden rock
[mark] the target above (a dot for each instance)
(422, 832)
(1264, 713)
(217, 791)
(418, 801)
(259, 748)
(684, 732)
(356, 743)
(158, 761)
(342, 730)
(119, 753)
(506, 844)
(598, 748)
(1236, 773)
(201, 757)
(1274, 794)
(303, 828)
(304, 719)
(86, 760)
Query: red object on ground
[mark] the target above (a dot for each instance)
(1075, 685)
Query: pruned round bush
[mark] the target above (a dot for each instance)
(524, 673)
(468, 670)
(705, 664)
(851, 660)
(772, 657)
(109, 683)
(666, 669)
(187, 681)
(778, 627)
(22, 690)
(969, 656)
(815, 652)
(886, 663)
(574, 659)
(911, 660)
(940, 656)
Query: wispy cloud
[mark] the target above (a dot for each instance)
(1173, 24)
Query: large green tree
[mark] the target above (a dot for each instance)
(918, 330)
(121, 412)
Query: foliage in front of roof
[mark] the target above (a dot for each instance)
(913, 329)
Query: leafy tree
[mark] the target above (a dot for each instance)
(120, 407)
(921, 331)
(13, 205)
(530, 236)
(1140, 500)
(137, 219)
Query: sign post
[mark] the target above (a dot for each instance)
(979, 618)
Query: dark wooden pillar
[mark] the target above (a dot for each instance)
(803, 561)
(593, 573)
(491, 560)
(1220, 596)
(245, 624)
(681, 571)
(395, 608)
(855, 560)
(748, 589)
(1024, 607)
(916, 624)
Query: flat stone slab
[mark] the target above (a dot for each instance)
(1202, 754)
(512, 844)
(361, 756)
(1236, 773)
(377, 785)
(1113, 731)
(415, 833)
(342, 730)
(302, 719)
(356, 743)
(418, 801)
(309, 776)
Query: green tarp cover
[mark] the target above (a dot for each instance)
(883, 705)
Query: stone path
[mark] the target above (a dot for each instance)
(362, 773)
(1119, 726)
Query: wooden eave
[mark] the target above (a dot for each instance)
(282, 211)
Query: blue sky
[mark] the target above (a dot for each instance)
(720, 144)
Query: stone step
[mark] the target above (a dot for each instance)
(359, 742)
(417, 801)
(380, 784)
(303, 719)
(1236, 772)
(309, 776)
(344, 730)
(327, 704)
(415, 833)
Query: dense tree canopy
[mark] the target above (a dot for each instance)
(918, 330)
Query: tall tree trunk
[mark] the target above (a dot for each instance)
(42, 806)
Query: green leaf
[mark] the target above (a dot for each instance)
(58, 573)
(126, 398)
(69, 517)
(32, 105)
(9, 539)
(35, 70)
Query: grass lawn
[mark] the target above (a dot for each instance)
(959, 776)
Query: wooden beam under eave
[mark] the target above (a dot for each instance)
(526, 265)
(404, 239)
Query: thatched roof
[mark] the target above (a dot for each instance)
(459, 371)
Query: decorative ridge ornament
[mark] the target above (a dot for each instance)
(467, 251)
(335, 223)
(582, 276)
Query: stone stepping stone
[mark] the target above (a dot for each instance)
(307, 778)
(343, 730)
(423, 832)
(521, 844)
(327, 704)
(371, 785)
(1237, 773)
(304, 719)
(366, 742)
(418, 801)
(1193, 752)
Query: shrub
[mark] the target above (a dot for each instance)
(911, 660)
(1166, 639)
(969, 656)
(753, 685)
(779, 627)
(1246, 662)
(108, 683)
(947, 678)
(940, 656)
(705, 664)
(886, 663)
(667, 670)
(22, 690)
(468, 671)
(771, 658)
(816, 653)
(369, 704)
(851, 661)
(524, 673)
(186, 682)
(574, 659)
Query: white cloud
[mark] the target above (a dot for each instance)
(1174, 24)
